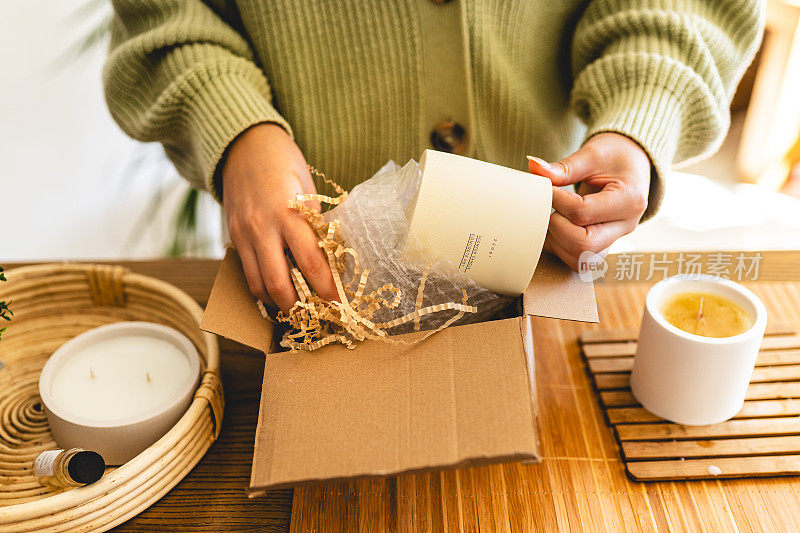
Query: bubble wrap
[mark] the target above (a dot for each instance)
(373, 221)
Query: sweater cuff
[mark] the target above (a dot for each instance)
(220, 109)
(650, 116)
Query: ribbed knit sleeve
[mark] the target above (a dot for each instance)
(662, 72)
(180, 74)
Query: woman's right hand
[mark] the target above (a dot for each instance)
(262, 174)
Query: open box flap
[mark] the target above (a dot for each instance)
(558, 292)
(231, 311)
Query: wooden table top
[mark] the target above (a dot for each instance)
(580, 484)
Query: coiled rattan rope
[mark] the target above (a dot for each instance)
(52, 304)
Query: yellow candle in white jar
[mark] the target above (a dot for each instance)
(706, 314)
(698, 344)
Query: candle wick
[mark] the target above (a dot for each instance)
(147, 374)
(700, 310)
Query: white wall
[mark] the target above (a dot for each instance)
(69, 188)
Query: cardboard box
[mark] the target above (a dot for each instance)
(463, 397)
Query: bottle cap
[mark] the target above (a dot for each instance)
(86, 467)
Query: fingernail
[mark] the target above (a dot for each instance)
(539, 161)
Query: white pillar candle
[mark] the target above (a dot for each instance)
(118, 388)
(694, 379)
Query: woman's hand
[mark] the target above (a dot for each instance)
(263, 172)
(613, 173)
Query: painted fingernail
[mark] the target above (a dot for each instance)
(539, 161)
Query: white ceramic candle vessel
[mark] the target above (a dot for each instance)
(489, 221)
(118, 388)
(690, 379)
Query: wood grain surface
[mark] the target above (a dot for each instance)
(580, 485)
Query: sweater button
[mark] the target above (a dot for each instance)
(449, 136)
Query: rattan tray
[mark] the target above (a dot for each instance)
(53, 303)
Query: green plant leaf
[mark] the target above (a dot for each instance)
(185, 239)
(94, 38)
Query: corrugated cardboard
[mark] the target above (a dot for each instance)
(462, 397)
(557, 292)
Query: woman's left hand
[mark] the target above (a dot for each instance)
(613, 177)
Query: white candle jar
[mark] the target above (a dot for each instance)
(118, 388)
(690, 379)
(489, 221)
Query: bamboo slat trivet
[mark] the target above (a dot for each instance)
(763, 439)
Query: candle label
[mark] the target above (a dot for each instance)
(706, 314)
(470, 251)
(44, 463)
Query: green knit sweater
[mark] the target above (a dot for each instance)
(360, 82)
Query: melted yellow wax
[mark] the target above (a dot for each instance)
(706, 314)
